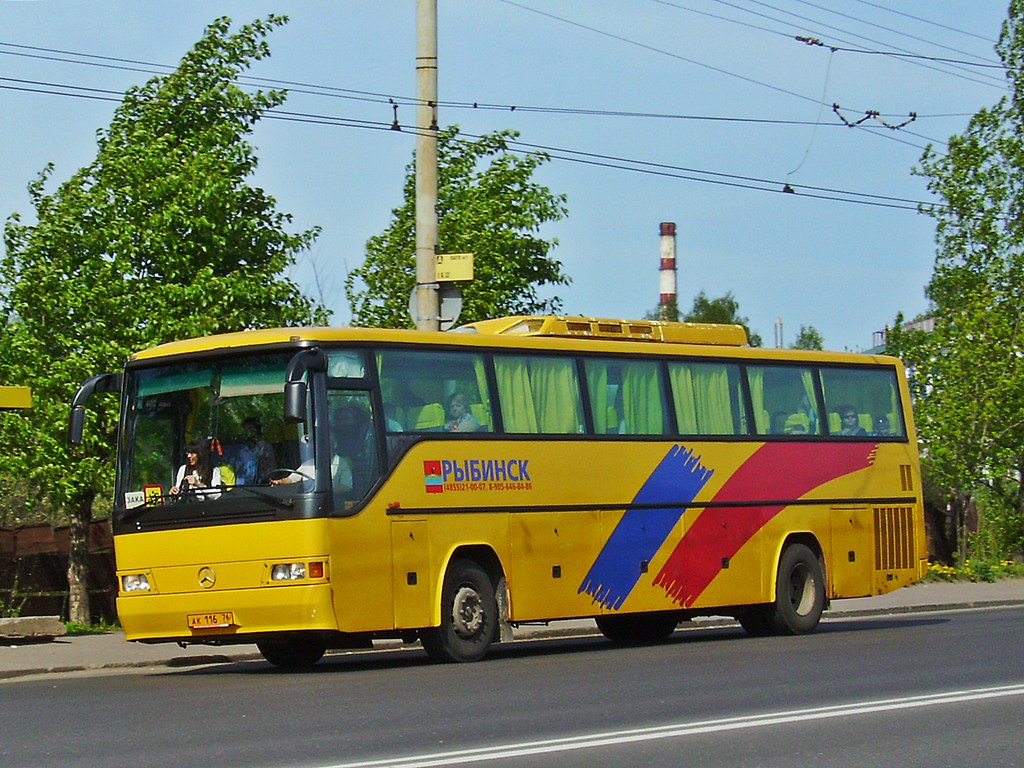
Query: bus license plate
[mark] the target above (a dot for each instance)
(219, 620)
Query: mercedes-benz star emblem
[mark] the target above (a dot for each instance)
(207, 577)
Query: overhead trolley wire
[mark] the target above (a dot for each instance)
(556, 153)
(899, 32)
(926, 21)
(989, 81)
(314, 89)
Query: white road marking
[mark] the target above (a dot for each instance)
(677, 730)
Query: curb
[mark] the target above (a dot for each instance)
(535, 633)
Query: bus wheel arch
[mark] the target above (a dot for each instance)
(469, 614)
(800, 592)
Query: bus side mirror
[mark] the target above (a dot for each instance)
(307, 361)
(295, 402)
(76, 425)
(101, 382)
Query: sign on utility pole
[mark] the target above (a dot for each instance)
(15, 397)
(427, 314)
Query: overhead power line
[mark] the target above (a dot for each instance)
(666, 170)
(927, 21)
(315, 89)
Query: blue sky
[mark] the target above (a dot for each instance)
(717, 90)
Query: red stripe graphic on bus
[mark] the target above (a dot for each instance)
(776, 471)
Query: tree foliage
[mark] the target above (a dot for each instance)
(159, 238)
(487, 204)
(724, 309)
(968, 375)
(808, 338)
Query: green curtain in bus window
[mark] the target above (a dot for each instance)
(597, 389)
(814, 423)
(480, 370)
(681, 377)
(515, 395)
(704, 403)
(556, 395)
(895, 416)
(642, 399)
(755, 378)
(714, 404)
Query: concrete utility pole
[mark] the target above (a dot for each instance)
(427, 304)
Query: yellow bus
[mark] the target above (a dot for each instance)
(307, 489)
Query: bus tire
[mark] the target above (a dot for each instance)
(637, 628)
(294, 653)
(469, 616)
(799, 592)
(758, 620)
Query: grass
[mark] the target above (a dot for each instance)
(90, 629)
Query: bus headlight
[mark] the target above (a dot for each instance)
(135, 582)
(288, 572)
(297, 571)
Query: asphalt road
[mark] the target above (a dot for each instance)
(926, 689)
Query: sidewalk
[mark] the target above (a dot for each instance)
(111, 651)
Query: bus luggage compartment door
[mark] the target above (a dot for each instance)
(410, 558)
(852, 553)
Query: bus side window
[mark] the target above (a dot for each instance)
(353, 446)
(539, 395)
(416, 385)
(707, 398)
(872, 393)
(638, 406)
(784, 399)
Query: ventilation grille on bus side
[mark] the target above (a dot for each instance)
(894, 538)
(906, 479)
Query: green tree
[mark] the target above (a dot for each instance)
(969, 373)
(159, 238)
(724, 309)
(808, 338)
(487, 204)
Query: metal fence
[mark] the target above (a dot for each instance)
(34, 571)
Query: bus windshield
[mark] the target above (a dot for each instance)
(194, 432)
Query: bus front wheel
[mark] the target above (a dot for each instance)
(469, 616)
(294, 653)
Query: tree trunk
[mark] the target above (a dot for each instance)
(79, 521)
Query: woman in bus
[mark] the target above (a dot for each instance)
(460, 417)
(197, 478)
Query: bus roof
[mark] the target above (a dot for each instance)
(604, 328)
(553, 332)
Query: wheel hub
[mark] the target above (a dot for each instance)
(801, 591)
(467, 613)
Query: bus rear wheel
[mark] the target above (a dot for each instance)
(799, 597)
(294, 653)
(469, 616)
(638, 628)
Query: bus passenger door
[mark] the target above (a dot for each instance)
(852, 551)
(410, 569)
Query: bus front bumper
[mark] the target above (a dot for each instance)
(219, 616)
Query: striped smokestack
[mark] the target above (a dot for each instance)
(668, 269)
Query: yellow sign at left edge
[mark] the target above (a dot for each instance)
(15, 397)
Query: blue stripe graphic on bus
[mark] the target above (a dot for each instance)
(641, 532)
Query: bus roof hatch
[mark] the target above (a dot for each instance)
(602, 328)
